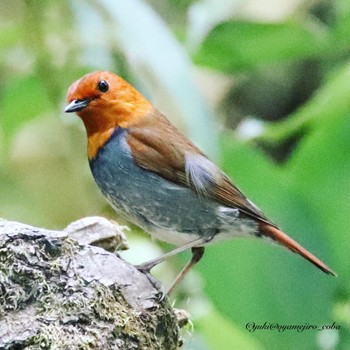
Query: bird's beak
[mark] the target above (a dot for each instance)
(77, 105)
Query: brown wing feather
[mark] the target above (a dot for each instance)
(230, 195)
(159, 147)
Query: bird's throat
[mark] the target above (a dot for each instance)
(98, 140)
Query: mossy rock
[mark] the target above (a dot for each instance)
(58, 294)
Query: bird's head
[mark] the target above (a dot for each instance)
(104, 100)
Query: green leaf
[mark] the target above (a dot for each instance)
(235, 45)
(320, 169)
(330, 102)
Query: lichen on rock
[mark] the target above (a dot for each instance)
(58, 294)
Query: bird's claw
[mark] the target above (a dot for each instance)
(145, 269)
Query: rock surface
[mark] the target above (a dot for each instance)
(57, 293)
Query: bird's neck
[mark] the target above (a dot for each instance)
(97, 140)
(100, 127)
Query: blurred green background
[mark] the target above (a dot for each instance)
(262, 86)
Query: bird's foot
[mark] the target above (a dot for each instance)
(146, 267)
(154, 282)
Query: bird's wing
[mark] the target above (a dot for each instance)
(161, 148)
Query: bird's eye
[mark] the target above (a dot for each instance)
(103, 86)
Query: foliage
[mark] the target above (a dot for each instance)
(249, 63)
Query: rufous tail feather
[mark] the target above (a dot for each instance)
(280, 237)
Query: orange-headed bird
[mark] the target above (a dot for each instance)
(158, 179)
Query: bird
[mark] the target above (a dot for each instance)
(156, 178)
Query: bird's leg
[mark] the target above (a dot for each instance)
(149, 265)
(197, 253)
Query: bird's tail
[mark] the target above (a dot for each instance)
(280, 237)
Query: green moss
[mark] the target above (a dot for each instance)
(69, 313)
